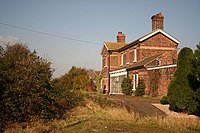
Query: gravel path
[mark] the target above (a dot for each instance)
(144, 106)
(141, 105)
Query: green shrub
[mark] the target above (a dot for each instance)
(126, 86)
(140, 89)
(164, 100)
(181, 95)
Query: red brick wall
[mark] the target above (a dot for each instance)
(153, 46)
(104, 71)
(164, 78)
(156, 45)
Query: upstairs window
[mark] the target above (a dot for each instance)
(122, 59)
(135, 55)
(158, 62)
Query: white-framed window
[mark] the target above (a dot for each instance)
(122, 59)
(135, 55)
(158, 62)
(135, 81)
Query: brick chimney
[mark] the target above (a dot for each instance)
(157, 21)
(121, 37)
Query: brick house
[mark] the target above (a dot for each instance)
(151, 57)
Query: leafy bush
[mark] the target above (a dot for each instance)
(126, 86)
(164, 100)
(26, 89)
(25, 78)
(140, 89)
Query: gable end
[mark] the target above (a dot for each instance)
(159, 31)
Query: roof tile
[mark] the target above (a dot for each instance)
(114, 45)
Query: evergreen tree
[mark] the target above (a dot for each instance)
(181, 96)
(195, 77)
(126, 86)
(140, 90)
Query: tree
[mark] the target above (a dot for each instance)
(195, 71)
(26, 89)
(77, 78)
(127, 86)
(140, 90)
(194, 77)
(25, 78)
(181, 96)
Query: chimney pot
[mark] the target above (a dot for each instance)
(119, 32)
(121, 37)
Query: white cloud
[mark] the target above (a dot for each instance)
(8, 40)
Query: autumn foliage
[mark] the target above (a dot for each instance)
(26, 89)
(75, 79)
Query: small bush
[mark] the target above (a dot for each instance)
(164, 100)
(140, 90)
(126, 86)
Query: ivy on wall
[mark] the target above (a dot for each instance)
(154, 76)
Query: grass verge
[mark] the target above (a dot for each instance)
(93, 118)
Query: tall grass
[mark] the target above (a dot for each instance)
(175, 123)
(93, 118)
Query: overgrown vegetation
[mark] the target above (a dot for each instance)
(127, 86)
(26, 90)
(154, 81)
(184, 89)
(76, 79)
(140, 89)
(93, 118)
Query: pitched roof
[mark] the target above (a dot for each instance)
(114, 45)
(121, 46)
(157, 31)
(144, 62)
(143, 38)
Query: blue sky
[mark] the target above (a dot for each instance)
(94, 21)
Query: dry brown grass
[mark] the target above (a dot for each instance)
(92, 118)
